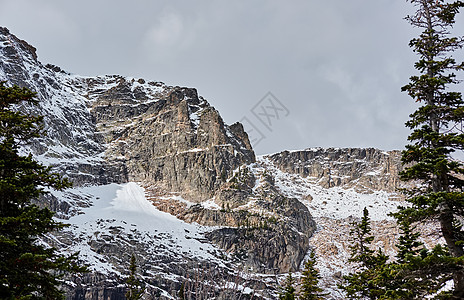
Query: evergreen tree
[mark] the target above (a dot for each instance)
(288, 291)
(28, 269)
(309, 282)
(408, 245)
(397, 279)
(368, 281)
(436, 133)
(406, 278)
(362, 238)
(134, 287)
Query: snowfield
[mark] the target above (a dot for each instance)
(125, 207)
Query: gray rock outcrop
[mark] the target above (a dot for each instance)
(365, 170)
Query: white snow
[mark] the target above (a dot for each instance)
(131, 198)
(125, 206)
(179, 198)
(336, 202)
(210, 204)
(195, 118)
(196, 150)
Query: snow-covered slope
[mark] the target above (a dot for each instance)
(336, 208)
(121, 214)
(125, 209)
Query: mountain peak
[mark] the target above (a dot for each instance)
(10, 41)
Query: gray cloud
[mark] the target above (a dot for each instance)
(336, 65)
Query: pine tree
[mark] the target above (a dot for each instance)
(397, 278)
(368, 281)
(28, 269)
(134, 287)
(288, 291)
(408, 277)
(408, 244)
(436, 133)
(310, 280)
(362, 238)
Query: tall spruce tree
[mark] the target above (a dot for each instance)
(135, 289)
(418, 273)
(310, 279)
(361, 234)
(437, 132)
(399, 279)
(408, 244)
(368, 281)
(28, 269)
(288, 290)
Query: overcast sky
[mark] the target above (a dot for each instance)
(334, 68)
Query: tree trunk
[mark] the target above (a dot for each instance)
(446, 223)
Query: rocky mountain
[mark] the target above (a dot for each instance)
(157, 173)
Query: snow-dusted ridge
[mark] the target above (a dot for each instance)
(335, 202)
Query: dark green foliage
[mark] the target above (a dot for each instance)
(28, 270)
(436, 133)
(406, 278)
(272, 220)
(368, 281)
(309, 282)
(416, 273)
(135, 289)
(288, 290)
(240, 180)
(424, 274)
(362, 238)
(408, 245)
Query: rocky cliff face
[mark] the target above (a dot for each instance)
(114, 129)
(71, 142)
(365, 170)
(167, 136)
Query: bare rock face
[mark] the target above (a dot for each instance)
(71, 142)
(365, 170)
(266, 244)
(178, 142)
(114, 129)
(262, 229)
